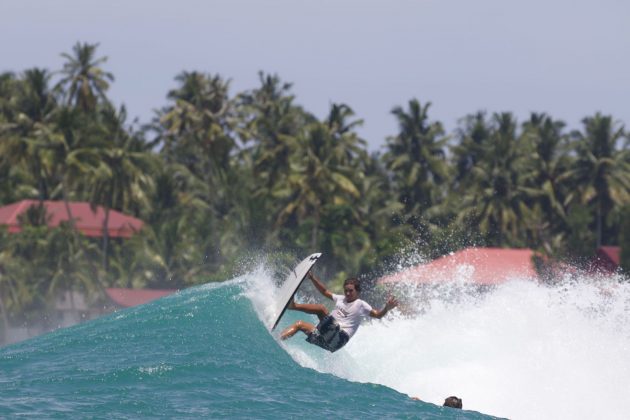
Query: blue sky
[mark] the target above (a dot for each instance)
(569, 58)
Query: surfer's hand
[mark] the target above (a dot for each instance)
(391, 303)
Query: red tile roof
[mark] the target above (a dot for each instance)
(86, 220)
(606, 259)
(610, 252)
(134, 297)
(477, 265)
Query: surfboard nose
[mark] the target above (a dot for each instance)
(292, 284)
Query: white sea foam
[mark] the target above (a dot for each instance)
(261, 290)
(520, 350)
(155, 370)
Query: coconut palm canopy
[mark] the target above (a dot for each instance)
(220, 177)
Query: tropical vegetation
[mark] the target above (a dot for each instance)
(222, 178)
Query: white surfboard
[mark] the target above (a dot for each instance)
(291, 285)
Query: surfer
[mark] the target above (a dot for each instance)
(453, 402)
(335, 329)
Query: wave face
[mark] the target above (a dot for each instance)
(520, 351)
(203, 352)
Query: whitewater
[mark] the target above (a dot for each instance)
(520, 350)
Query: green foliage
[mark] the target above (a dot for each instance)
(601, 173)
(38, 263)
(624, 240)
(580, 241)
(219, 178)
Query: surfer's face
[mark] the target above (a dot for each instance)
(350, 292)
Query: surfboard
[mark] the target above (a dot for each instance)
(292, 284)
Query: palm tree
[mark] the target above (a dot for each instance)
(69, 134)
(416, 157)
(471, 136)
(199, 132)
(370, 237)
(7, 287)
(602, 170)
(83, 81)
(68, 263)
(196, 130)
(36, 100)
(323, 171)
(272, 122)
(269, 125)
(181, 231)
(497, 202)
(25, 270)
(120, 172)
(545, 178)
(32, 106)
(7, 95)
(83, 84)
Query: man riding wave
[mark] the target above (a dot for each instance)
(335, 329)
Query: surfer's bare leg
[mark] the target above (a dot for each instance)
(310, 308)
(305, 327)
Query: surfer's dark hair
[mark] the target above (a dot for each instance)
(353, 281)
(453, 402)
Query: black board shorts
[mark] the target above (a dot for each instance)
(328, 335)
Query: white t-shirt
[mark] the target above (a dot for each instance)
(349, 315)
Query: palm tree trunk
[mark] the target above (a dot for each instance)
(599, 224)
(94, 269)
(41, 183)
(315, 231)
(105, 239)
(66, 203)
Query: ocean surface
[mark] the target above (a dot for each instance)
(519, 351)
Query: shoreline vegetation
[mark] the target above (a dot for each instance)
(220, 179)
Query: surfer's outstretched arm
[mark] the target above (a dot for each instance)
(319, 286)
(391, 303)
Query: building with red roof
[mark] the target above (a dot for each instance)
(607, 259)
(126, 298)
(89, 222)
(483, 266)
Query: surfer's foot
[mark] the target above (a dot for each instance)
(292, 330)
(286, 334)
(303, 326)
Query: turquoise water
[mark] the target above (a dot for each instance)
(203, 352)
(521, 350)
